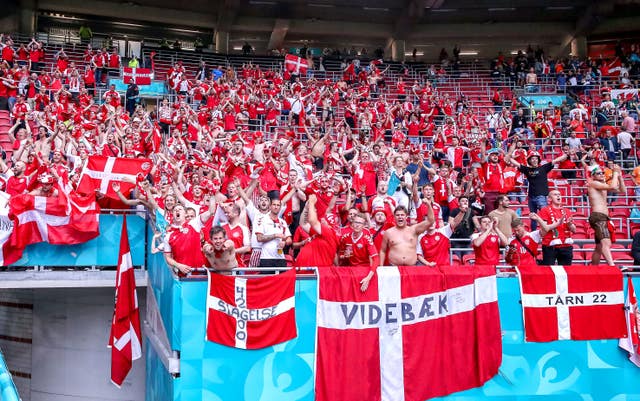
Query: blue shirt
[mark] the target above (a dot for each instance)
(423, 178)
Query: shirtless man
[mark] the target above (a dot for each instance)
(222, 253)
(399, 242)
(597, 189)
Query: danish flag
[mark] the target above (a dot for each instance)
(295, 64)
(401, 339)
(564, 302)
(631, 343)
(65, 219)
(251, 313)
(125, 339)
(139, 76)
(101, 171)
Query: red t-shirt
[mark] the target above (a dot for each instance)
(237, 234)
(560, 235)
(436, 246)
(530, 241)
(488, 253)
(361, 249)
(16, 186)
(184, 242)
(493, 178)
(321, 250)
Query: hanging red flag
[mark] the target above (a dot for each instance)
(631, 343)
(125, 340)
(563, 302)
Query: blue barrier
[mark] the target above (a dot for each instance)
(101, 251)
(8, 391)
(542, 101)
(565, 370)
(156, 88)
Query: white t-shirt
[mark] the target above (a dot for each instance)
(255, 217)
(624, 139)
(267, 226)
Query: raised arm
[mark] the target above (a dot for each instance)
(426, 223)
(560, 158)
(508, 158)
(312, 214)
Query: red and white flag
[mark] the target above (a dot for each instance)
(407, 326)
(65, 219)
(631, 343)
(125, 339)
(615, 67)
(251, 313)
(139, 76)
(101, 171)
(564, 302)
(620, 96)
(295, 64)
(8, 253)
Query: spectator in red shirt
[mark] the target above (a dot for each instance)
(356, 246)
(486, 243)
(523, 248)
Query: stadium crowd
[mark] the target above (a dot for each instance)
(267, 168)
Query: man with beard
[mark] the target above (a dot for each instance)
(17, 180)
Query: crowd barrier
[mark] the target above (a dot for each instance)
(567, 370)
(99, 252)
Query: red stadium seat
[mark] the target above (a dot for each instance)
(468, 259)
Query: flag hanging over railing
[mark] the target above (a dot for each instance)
(415, 333)
(631, 343)
(125, 339)
(251, 313)
(565, 302)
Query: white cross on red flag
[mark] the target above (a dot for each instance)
(139, 76)
(251, 313)
(101, 171)
(412, 323)
(631, 343)
(65, 219)
(572, 302)
(295, 64)
(125, 339)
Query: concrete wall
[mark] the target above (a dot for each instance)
(68, 358)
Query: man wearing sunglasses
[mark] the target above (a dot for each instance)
(597, 189)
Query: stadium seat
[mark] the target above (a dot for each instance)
(468, 259)
(455, 260)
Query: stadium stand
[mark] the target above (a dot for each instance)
(226, 124)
